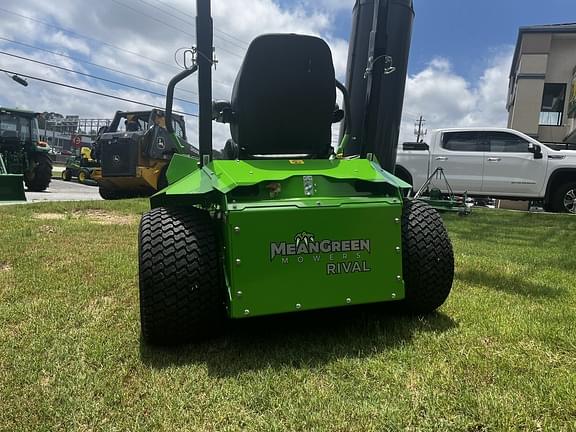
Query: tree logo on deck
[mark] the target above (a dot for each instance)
(340, 256)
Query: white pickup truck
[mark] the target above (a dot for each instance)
(493, 162)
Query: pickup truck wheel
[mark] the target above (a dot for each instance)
(181, 293)
(427, 258)
(565, 198)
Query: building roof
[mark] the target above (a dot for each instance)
(543, 28)
(550, 28)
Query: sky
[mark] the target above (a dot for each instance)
(458, 71)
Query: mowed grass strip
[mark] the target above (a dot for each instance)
(500, 355)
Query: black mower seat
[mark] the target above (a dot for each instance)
(283, 98)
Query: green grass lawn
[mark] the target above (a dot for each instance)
(500, 355)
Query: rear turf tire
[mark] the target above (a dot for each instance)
(427, 258)
(38, 178)
(181, 296)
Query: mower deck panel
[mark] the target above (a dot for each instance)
(286, 259)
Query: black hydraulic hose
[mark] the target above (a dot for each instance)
(170, 95)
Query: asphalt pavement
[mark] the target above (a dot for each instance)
(60, 190)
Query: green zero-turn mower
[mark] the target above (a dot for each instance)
(282, 223)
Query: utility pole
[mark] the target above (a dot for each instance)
(419, 130)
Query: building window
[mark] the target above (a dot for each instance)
(552, 112)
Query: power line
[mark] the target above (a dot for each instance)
(193, 17)
(138, 11)
(93, 92)
(234, 38)
(93, 64)
(86, 37)
(93, 76)
(94, 40)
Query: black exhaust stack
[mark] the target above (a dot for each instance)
(376, 76)
(204, 42)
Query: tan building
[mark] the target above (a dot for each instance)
(542, 93)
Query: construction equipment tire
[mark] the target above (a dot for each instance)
(38, 178)
(181, 295)
(108, 193)
(427, 258)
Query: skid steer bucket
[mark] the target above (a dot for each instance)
(11, 185)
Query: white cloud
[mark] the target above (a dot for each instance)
(446, 99)
(59, 39)
(151, 43)
(441, 95)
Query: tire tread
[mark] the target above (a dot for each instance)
(180, 294)
(42, 173)
(427, 258)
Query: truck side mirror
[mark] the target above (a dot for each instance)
(536, 150)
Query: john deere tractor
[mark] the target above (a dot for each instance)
(81, 167)
(134, 152)
(24, 155)
(284, 223)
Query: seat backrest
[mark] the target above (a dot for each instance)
(284, 97)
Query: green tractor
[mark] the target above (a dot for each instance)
(283, 223)
(24, 156)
